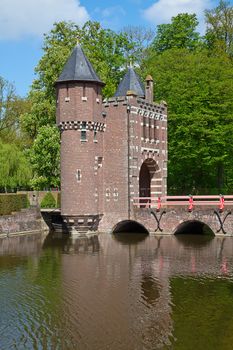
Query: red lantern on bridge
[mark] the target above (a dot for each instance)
(191, 205)
(221, 203)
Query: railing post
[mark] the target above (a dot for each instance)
(191, 205)
(221, 202)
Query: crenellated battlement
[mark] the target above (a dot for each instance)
(82, 125)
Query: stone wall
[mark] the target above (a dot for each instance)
(27, 220)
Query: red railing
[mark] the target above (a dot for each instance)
(218, 201)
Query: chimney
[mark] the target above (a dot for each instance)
(149, 89)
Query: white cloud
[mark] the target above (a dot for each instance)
(113, 11)
(162, 10)
(20, 18)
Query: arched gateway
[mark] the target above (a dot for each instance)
(148, 182)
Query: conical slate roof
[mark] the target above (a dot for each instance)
(78, 68)
(131, 81)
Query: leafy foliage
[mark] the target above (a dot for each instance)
(198, 90)
(139, 40)
(180, 33)
(12, 202)
(219, 34)
(48, 201)
(15, 170)
(45, 158)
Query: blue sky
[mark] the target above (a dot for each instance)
(22, 24)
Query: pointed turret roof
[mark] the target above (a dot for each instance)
(130, 82)
(78, 68)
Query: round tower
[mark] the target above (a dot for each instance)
(80, 119)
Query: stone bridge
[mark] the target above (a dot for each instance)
(184, 214)
(180, 220)
(213, 217)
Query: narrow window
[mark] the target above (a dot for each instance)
(150, 129)
(78, 175)
(144, 128)
(100, 162)
(95, 136)
(83, 135)
(155, 131)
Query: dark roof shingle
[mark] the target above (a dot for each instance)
(131, 81)
(78, 68)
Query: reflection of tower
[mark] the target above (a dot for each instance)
(119, 293)
(79, 116)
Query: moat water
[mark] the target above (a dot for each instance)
(128, 292)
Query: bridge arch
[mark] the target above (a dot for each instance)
(129, 226)
(193, 227)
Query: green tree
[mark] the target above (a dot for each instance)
(45, 158)
(15, 170)
(138, 42)
(48, 201)
(11, 107)
(219, 34)
(198, 89)
(180, 33)
(7, 99)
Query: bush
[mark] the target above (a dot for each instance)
(13, 202)
(48, 201)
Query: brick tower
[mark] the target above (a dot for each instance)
(81, 122)
(111, 151)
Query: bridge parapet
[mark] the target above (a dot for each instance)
(167, 214)
(190, 202)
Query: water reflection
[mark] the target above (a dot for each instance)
(150, 289)
(68, 244)
(22, 245)
(190, 240)
(130, 238)
(116, 292)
